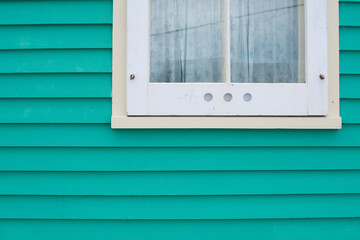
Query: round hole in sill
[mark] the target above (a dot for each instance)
(208, 97)
(247, 97)
(228, 97)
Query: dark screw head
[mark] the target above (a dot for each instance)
(132, 76)
(322, 76)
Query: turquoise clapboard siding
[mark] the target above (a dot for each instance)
(65, 174)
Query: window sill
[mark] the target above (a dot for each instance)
(124, 122)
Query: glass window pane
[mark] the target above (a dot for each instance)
(186, 41)
(267, 41)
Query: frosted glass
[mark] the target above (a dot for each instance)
(267, 41)
(186, 41)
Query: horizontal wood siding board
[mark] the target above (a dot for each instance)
(56, 61)
(350, 38)
(350, 111)
(349, 62)
(97, 110)
(55, 110)
(178, 183)
(279, 229)
(55, 12)
(349, 13)
(178, 159)
(55, 36)
(180, 207)
(101, 135)
(56, 85)
(350, 86)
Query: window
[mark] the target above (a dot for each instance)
(225, 64)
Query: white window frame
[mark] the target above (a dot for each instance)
(121, 81)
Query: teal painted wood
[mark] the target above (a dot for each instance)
(55, 12)
(350, 38)
(177, 159)
(101, 135)
(73, 177)
(349, 62)
(350, 111)
(350, 86)
(56, 61)
(56, 85)
(180, 207)
(55, 110)
(177, 183)
(350, 13)
(55, 36)
(272, 229)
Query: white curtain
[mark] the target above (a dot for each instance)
(265, 41)
(186, 41)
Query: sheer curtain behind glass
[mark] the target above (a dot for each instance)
(186, 41)
(267, 41)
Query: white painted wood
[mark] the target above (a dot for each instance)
(227, 40)
(317, 56)
(172, 99)
(188, 99)
(138, 34)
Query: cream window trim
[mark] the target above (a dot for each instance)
(121, 120)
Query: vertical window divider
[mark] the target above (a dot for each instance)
(227, 41)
